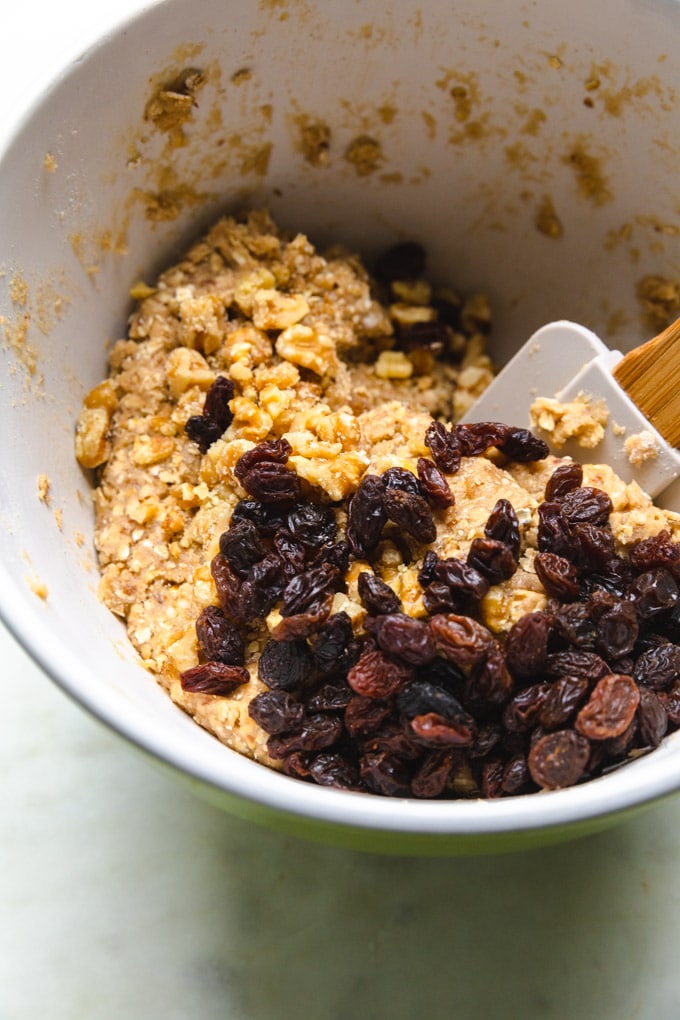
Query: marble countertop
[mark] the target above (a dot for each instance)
(122, 896)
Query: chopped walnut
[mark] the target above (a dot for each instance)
(582, 419)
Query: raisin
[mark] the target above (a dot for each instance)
(523, 446)
(654, 591)
(554, 534)
(490, 682)
(523, 710)
(516, 775)
(312, 525)
(206, 428)
(331, 697)
(366, 516)
(426, 573)
(488, 737)
(377, 676)
(276, 711)
(314, 733)
(559, 759)
(377, 596)
(617, 631)
(658, 551)
(493, 559)
(296, 765)
(405, 638)
(465, 583)
(565, 477)
(286, 665)
(433, 484)
(586, 505)
(338, 554)
(272, 483)
(365, 716)
(503, 526)
(475, 438)
(671, 702)
(613, 577)
(213, 678)
(526, 644)
(218, 638)
(403, 261)
(434, 730)
(610, 708)
(275, 451)
(575, 663)
(575, 625)
(385, 774)
(400, 478)
(444, 447)
(265, 584)
(652, 718)
(594, 545)
(558, 576)
(421, 697)
(303, 624)
(435, 773)
(267, 519)
(411, 513)
(460, 639)
(332, 769)
(658, 667)
(229, 589)
(562, 699)
(332, 642)
(309, 588)
(242, 547)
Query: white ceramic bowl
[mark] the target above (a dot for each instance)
(485, 113)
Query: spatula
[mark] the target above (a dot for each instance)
(564, 360)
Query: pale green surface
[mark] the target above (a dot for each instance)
(124, 896)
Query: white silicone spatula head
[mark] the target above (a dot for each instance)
(564, 360)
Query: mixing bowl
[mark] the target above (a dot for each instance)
(531, 147)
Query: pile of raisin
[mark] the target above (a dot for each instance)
(440, 707)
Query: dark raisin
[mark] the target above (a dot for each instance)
(304, 624)
(332, 769)
(206, 428)
(658, 667)
(558, 576)
(617, 631)
(434, 486)
(523, 710)
(490, 681)
(202, 431)
(272, 483)
(526, 644)
(405, 638)
(565, 477)
(434, 730)
(563, 698)
(575, 663)
(400, 478)
(503, 526)
(586, 505)
(426, 572)
(213, 678)
(411, 513)
(654, 591)
(554, 533)
(331, 697)
(266, 518)
(338, 554)
(444, 447)
(475, 438)
(516, 775)
(466, 584)
(332, 642)
(286, 665)
(375, 675)
(652, 718)
(559, 759)
(435, 773)
(421, 697)
(460, 639)
(275, 451)
(314, 733)
(265, 583)
(365, 716)
(610, 708)
(385, 774)
(488, 737)
(403, 261)
(523, 446)
(229, 589)
(614, 577)
(671, 702)
(658, 551)
(241, 546)
(493, 559)
(276, 711)
(312, 525)
(366, 516)
(594, 546)
(303, 592)
(575, 625)
(219, 638)
(377, 596)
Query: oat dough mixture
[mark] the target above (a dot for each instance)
(337, 376)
